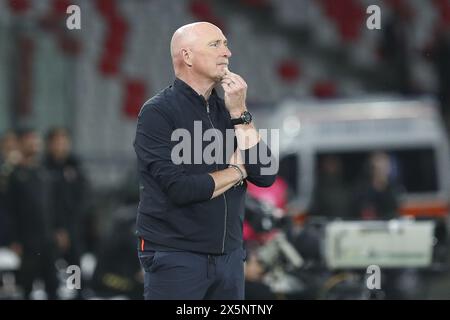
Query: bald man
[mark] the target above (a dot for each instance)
(192, 190)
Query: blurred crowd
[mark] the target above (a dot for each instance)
(46, 209)
(374, 195)
(42, 202)
(51, 218)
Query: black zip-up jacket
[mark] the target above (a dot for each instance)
(32, 215)
(176, 210)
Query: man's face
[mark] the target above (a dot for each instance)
(59, 146)
(9, 143)
(381, 166)
(31, 144)
(211, 54)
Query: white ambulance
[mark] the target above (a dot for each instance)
(411, 132)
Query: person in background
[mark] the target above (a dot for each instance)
(440, 54)
(32, 221)
(255, 288)
(377, 198)
(68, 185)
(9, 157)
(396, 50)
(330, 195)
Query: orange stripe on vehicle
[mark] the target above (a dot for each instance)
(425, 210)
(142, 244)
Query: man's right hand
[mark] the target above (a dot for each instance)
(235, 93)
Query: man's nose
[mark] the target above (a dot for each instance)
(227, 52)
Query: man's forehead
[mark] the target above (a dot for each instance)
(210, 32)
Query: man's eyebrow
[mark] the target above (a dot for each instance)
(217, 41)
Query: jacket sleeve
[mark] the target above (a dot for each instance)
(261, 166)
(153, 147)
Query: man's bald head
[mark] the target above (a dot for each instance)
(191, 39)
(187, 35)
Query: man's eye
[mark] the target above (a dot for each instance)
(215, 44)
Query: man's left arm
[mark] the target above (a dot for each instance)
(261, 166)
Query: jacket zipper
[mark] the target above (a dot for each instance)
(224, 197)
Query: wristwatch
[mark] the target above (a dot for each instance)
(245, 118)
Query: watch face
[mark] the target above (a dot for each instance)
(247, 117)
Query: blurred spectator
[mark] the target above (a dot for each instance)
(255, 288)
(67, 185)
(118, 272)
(9, 158)
(441, 57)
(396, 51)
(9, 149)
(31, 217)
(377, 197)
(330, 195)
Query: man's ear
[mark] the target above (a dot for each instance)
(186, 54)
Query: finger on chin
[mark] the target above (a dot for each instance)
(225, 87)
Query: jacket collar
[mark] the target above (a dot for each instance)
(181, 86)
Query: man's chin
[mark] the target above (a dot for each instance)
(218, 78)
(221, 76)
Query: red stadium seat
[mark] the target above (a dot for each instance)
(288, 71)
(19, 6)
(443, 7)
(324, 89)
(203, 11)
(348, 16)
(60, 6)
(106, 7)
(135, 95)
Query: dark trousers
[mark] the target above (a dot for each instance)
(182, 275)
(35, 266)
